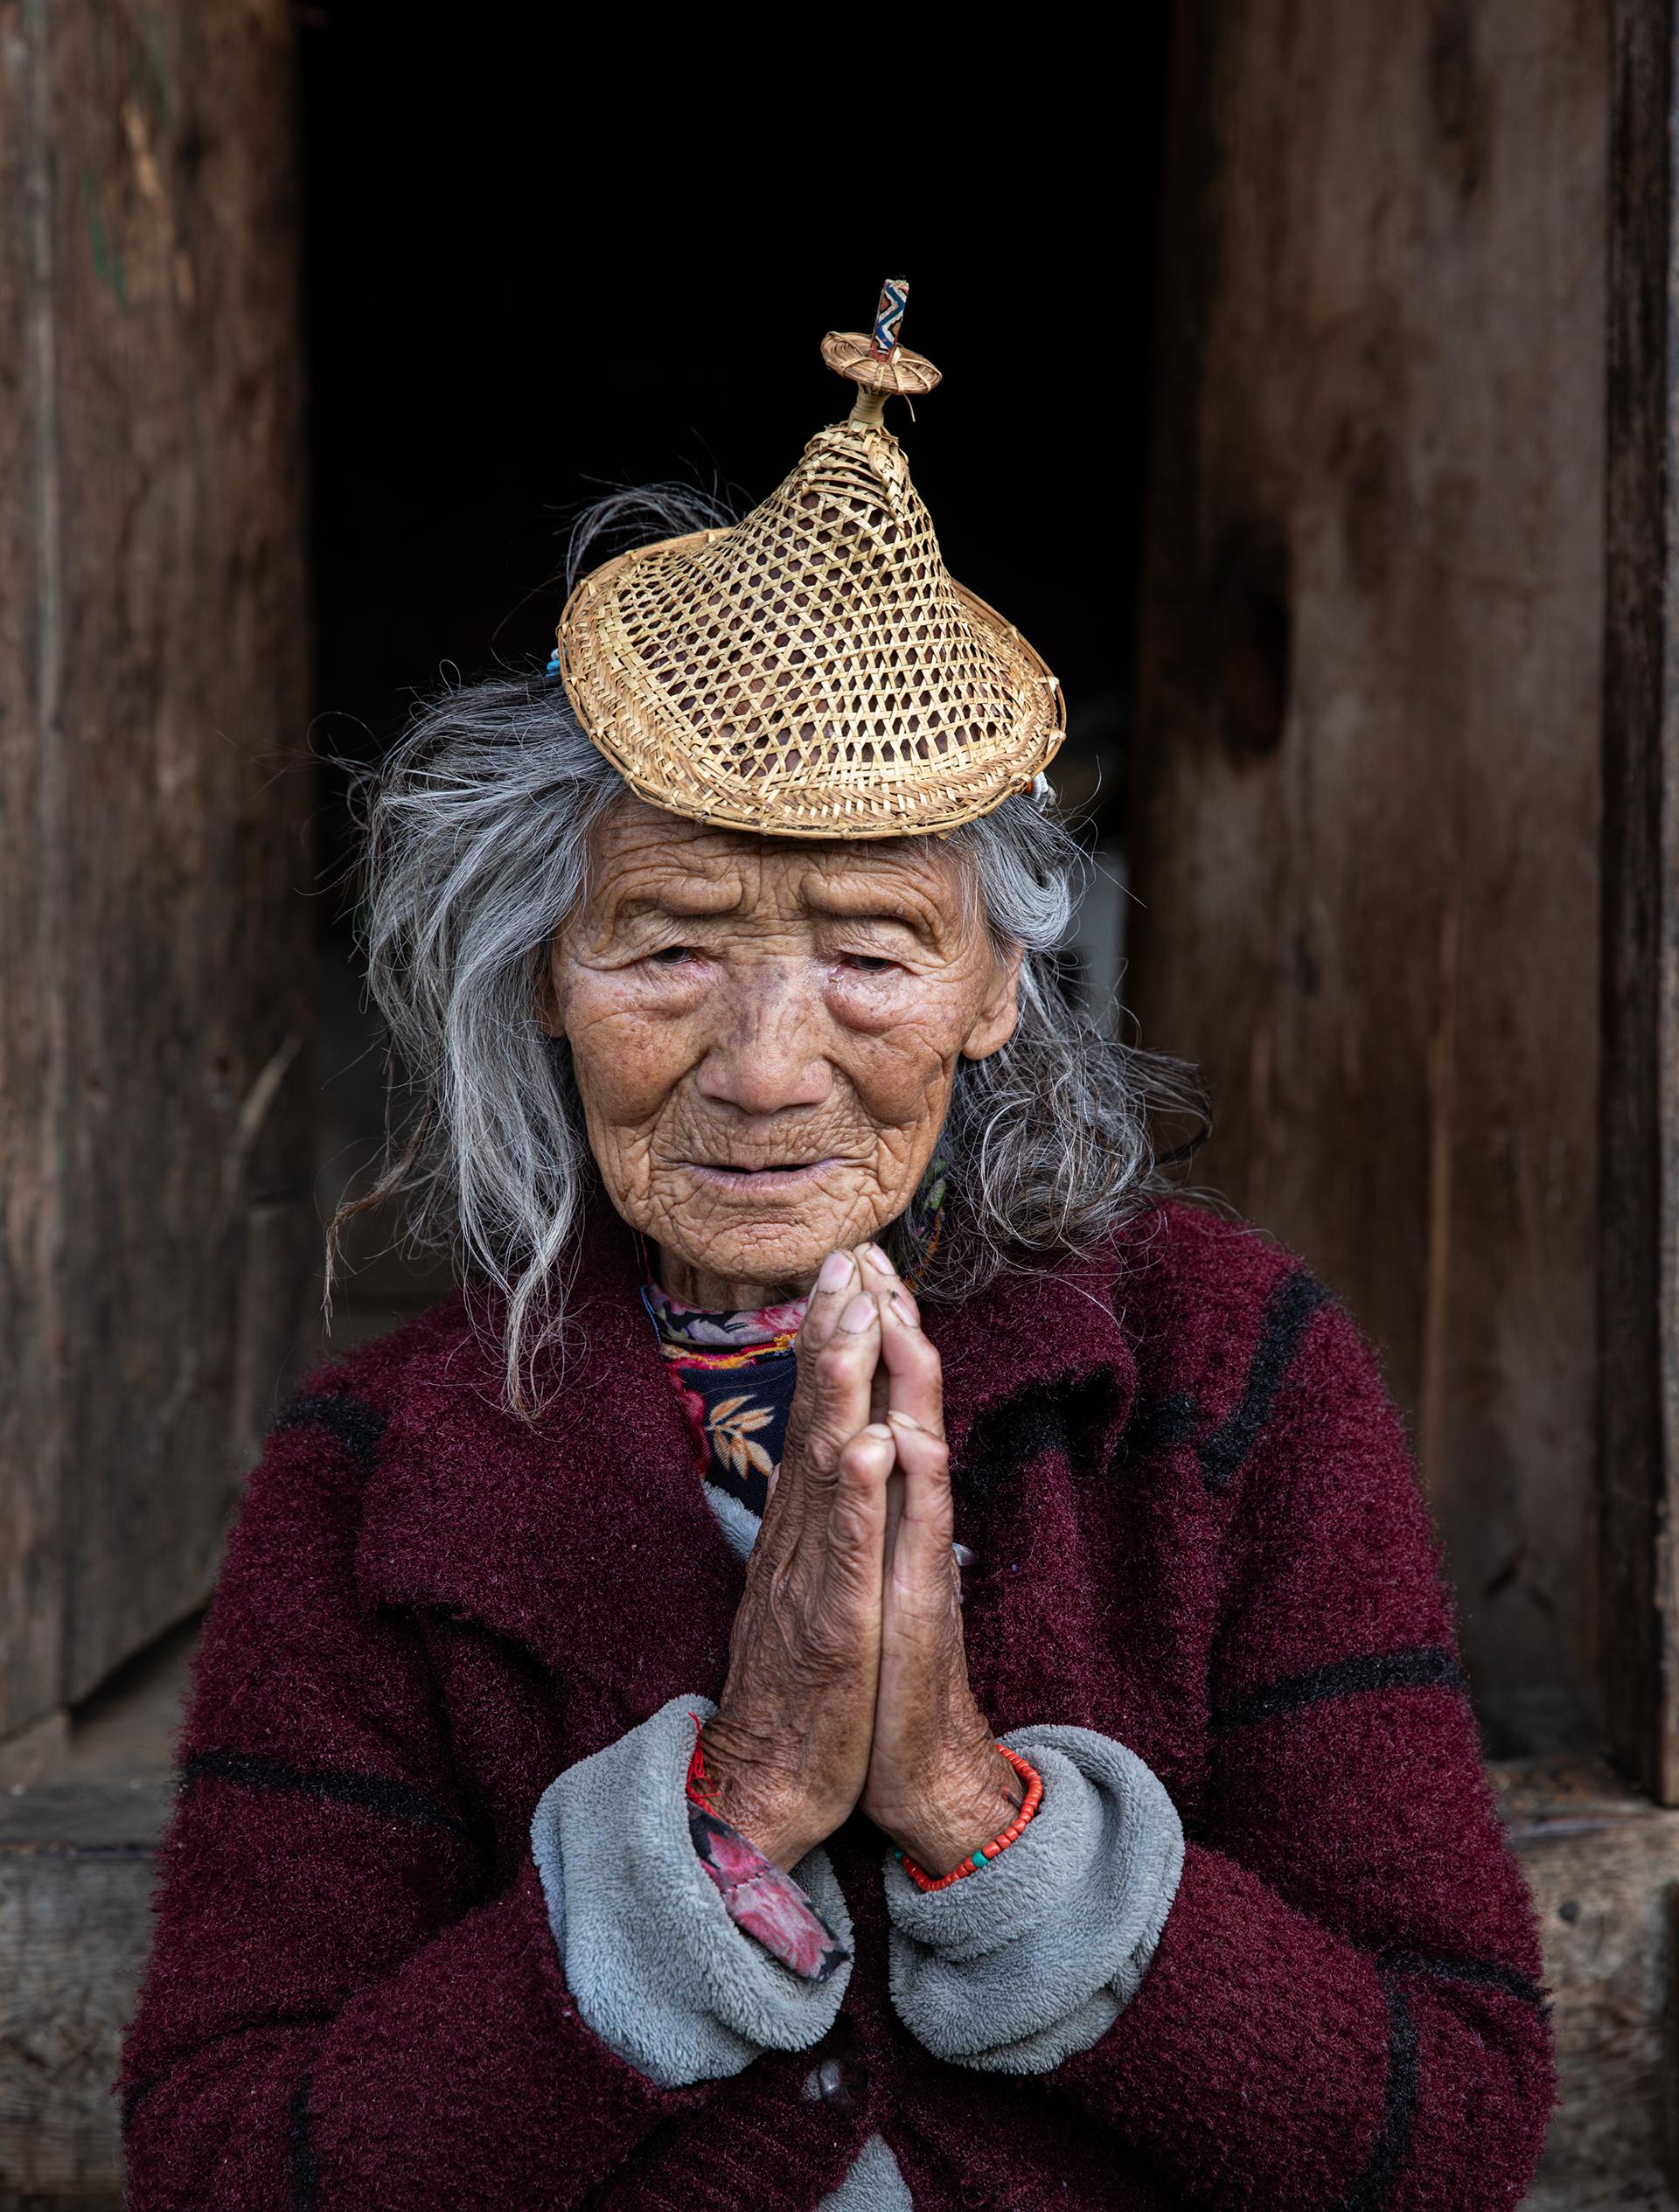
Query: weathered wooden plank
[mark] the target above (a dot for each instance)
(31, 1603)
(156, 1083)
(1639, 1306)
(1604, 1867)
(186, 698)
(33, 1753)
(76, 1871)
(1366, 799)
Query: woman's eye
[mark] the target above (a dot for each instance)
(866, 963)
(673, 956)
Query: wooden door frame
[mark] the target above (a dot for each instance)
(1638, 1428)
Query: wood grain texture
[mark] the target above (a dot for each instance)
(155, 1060)
(34, 1753)
(31, 1592)
(76, 1870)
(1639, 1309)
(1367, 784)
(1604, 1867)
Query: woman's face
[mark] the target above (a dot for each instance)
(766, 1036)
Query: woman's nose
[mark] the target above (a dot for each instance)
(768, 1055)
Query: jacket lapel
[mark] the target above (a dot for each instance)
(1040, 1379)
(583, 1537)
(1045, 1339)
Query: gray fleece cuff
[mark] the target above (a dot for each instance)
(659, 1970)
(1034, 1957)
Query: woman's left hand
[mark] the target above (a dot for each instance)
(936, 1783)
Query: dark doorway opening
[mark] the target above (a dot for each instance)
(528, 282)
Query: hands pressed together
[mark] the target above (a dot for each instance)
(848, 1681)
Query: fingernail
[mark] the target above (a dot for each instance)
(858, 1314)
(877, 1429)
(876, 1258)
(902, 1421)
(836, 1272)
(903, 1308)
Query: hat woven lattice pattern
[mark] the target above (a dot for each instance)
(814, 671)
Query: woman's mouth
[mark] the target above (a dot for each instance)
(771, 1181)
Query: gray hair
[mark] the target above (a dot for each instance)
(477, 836)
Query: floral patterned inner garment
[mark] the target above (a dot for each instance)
(735, 1374)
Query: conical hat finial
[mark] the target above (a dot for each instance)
(876, 362)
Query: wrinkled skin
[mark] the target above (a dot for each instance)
(765, 1037)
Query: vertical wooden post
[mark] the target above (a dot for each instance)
(1639, 1307)
(156, 1104)
(31, 1595)
(1366, 788)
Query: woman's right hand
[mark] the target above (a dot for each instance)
(787, 1750)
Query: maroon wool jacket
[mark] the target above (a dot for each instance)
(1196, 1530)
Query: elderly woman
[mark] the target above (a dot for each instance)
(870, 1658)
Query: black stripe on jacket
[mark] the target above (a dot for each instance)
(1374, 2188)
(1158, 1423)
(1291, 1305)
(1375, 2185)
(375, 1793)
(305, 2173)
(1479, 1973)
(357, 1426)
(145, 2086)
(1429, 1666)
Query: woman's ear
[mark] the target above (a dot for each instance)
(999, 1011)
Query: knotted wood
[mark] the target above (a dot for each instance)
(155, 1056)
(1368, 760)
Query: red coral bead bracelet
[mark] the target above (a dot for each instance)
(1034, 1782)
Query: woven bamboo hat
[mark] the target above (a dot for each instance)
(814, 670)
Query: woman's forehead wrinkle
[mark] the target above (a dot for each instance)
(636, 843)
(651, 863)
(647, 872)
(905, 882)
